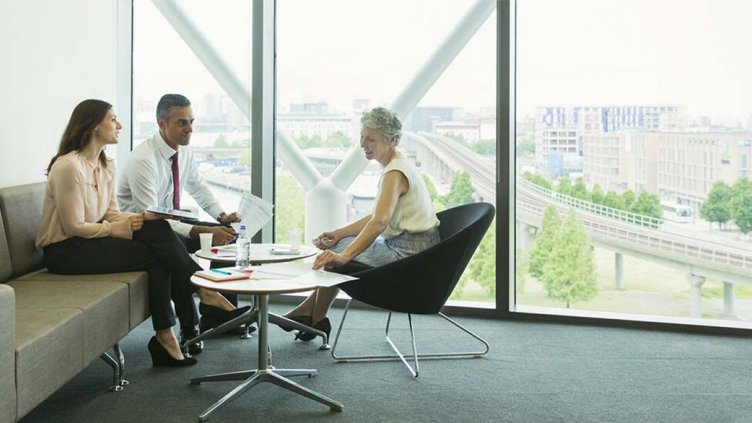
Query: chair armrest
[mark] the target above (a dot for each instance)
(7, 353)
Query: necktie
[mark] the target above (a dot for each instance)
(175, 182)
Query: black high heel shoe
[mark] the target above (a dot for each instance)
(323, 325)
(160, 356)
(303, 320)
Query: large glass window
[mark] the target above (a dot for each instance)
(203, 51)
(632, 196)
(339, 58)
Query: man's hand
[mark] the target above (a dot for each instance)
(226, 219)
(220, 234)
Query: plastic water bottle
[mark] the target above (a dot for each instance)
(243, 245)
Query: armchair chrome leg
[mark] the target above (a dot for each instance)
(399, 355)
(118, 368)
(469, 332)
(339, 330)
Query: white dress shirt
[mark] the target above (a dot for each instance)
(147, 181)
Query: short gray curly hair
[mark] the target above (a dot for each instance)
(385, 121)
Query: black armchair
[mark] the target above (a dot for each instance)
(422, 283)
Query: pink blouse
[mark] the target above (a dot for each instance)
(80, 201)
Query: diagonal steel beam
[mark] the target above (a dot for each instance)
(405, 102)
(291, 154)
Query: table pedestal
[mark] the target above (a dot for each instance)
(265, 372)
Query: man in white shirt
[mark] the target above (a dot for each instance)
(147, 179)
(152, 178)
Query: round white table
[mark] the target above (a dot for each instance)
(259, 313)
(260, 254)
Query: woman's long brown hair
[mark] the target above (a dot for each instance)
(85, 117)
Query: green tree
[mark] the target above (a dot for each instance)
(520, 270)
(629, 198)
(614, 200)
(579, 190)
(288, 213)
(537, 180)
(545, 242)
(647, 205)
(436, 199)
(485, 147)
(483, 265)
(338, 140)
(569, 270)
(565, 186)
(461, 192)
(221, 142)
(305, 141)
(717, 208)
(741, 204)
(245, 157)
(241, 143)
(596, 196)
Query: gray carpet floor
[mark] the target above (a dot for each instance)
(535, 372)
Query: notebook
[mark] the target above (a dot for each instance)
(222, 275)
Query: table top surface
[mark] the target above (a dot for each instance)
(261, 253)
(253, 286)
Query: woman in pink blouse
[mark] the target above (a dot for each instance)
(84, 232)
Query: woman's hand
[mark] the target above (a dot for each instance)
(136, 221)
(328, 259)
(152, 216)
(326, 240)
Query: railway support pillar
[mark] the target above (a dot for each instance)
(728, 298)
(695, 294)
(619, 270)
(526, 236)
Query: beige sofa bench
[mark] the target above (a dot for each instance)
(53, 326)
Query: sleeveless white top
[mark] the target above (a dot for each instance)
(414, 212)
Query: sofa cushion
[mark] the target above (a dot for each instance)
(21, 208)
(136, 281)
(7, 354)
(49, 352)
(104, 306)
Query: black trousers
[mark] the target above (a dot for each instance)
(155, 248)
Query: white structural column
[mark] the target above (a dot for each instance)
(728, 298)
(619, 270)
(325, 198)
(695, 294)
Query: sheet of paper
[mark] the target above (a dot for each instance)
(283, 270)
(299, 273)
(254, 213)
(321, 278)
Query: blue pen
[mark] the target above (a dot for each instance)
(220, 272)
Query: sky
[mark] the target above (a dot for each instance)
(690, 53)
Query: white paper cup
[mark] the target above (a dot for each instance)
(206, 242)
(235, 227)
(294, 235)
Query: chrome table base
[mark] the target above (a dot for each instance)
(265, 372)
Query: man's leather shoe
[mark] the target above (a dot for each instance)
(187, 334)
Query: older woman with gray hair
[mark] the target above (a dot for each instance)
(402, 221)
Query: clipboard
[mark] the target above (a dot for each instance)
(174, 213)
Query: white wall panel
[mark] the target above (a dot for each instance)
(53, 54)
